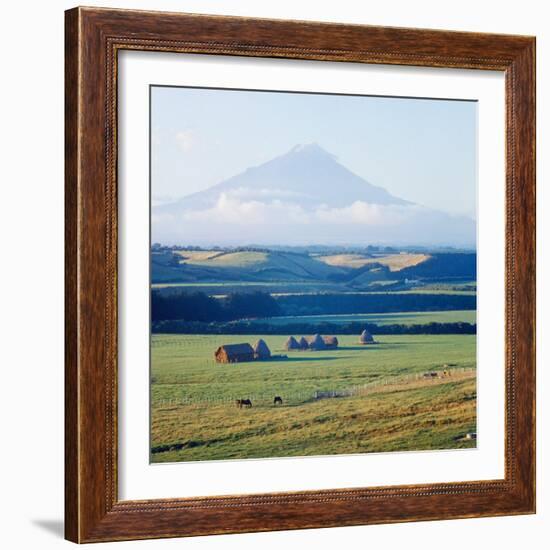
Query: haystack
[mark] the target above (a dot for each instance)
(330, 341)
(316, 342)
(366, 338)
(261, 351)
(292, 344)
(303, 343)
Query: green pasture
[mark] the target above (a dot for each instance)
(194, 417)
(412, 318)
(272, 287)
(290, 288)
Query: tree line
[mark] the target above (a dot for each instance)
(198, 306)
(246, 327)
(334, 304)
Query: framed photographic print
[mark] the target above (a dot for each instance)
(300, 275)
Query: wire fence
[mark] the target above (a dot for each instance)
(298, 397)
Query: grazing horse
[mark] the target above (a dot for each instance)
(278, 400)
(243, 403)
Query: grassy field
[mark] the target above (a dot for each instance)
(412, 318)
(248, 258)
(389, 405)
(289, 288)
(222, 289)
(263, 264)
(395, 262)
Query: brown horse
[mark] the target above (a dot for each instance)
(240, 403)
(278, 400)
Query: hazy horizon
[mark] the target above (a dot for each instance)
(318, 247)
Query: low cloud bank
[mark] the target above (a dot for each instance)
(271, 218)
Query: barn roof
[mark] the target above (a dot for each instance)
(237, 349)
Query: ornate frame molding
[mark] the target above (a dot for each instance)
(93, 39)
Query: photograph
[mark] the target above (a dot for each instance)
(313, 274)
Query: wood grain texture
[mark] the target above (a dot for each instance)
(71, 273)
(93, 38)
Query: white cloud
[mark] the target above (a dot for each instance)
(235, 221)
(230, 209)
(160, 200)
(365, 213)
(162, 220)
(234, 211)
(186, 140)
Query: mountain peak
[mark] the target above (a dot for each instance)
(310, 148)
(307, 175)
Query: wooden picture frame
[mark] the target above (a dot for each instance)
(94, 36)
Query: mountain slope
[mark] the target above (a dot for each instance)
(307, 175)
(304, 197)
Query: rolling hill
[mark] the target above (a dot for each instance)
(395, 262)
(239, 265)
(355, 271)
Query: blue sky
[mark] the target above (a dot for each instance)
(424, 151)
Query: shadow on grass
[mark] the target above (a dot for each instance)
(192, 443)
(283, 360)
(314, 358)
(374, 347)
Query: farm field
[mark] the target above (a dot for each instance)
(275, 288)
(395, 262)
(412, 318)
(386, 403)
(222, 289)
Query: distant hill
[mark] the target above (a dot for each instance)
(396, 262)
(304, 197)
(444, 266)
(252, 266)
(264, 265)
